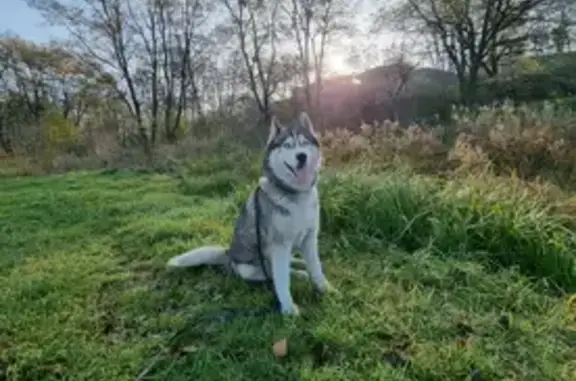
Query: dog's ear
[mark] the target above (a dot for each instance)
(306, 122)
(275, 128)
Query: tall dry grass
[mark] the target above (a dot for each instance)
(531, 143)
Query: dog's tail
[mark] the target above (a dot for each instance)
(206, 255)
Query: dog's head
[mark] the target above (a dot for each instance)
(293, 156)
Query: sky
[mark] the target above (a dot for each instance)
(17, 18)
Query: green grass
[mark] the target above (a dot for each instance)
(448, 276)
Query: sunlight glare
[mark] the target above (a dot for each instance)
(336, 64)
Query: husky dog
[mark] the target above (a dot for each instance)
(287, 214)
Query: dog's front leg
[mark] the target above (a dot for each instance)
(310, 255)
(281, 256)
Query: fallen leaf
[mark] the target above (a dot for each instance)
(280, 348)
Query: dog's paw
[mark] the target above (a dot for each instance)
(300, 274)
(291, 310)
(328, 289)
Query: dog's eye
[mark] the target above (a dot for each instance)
(287, 145)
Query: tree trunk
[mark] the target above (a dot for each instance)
(5, 141)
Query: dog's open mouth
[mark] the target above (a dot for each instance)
(302, 175)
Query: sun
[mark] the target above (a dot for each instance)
(336, 64)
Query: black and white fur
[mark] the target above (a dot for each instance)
(289, 217)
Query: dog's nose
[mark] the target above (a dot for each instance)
(301, 157)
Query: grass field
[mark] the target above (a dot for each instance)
(439, 281)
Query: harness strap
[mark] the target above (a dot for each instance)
(262, 260)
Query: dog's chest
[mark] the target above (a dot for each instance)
(296, 221)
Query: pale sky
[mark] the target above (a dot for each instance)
(17, 18)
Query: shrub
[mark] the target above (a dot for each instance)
(527, 141)
(385, 144)
(536, 141)
(499, 226)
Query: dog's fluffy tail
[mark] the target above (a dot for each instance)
(206, 255)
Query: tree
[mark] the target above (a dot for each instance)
(221, 84)
(398, 73)
(475, 35)
(256, 28)
(38, 80)
(25, 70)
(313, 25)
(148, 46)
(99, 30)
(561, 33)
(12, 112)
(168, 34)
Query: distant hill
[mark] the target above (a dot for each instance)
(421, 80)
(347, 100)
(429, 80)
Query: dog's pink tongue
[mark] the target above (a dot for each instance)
(304, 175)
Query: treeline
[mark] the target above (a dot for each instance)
(150, 72)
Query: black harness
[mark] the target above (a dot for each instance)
(259, 252)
